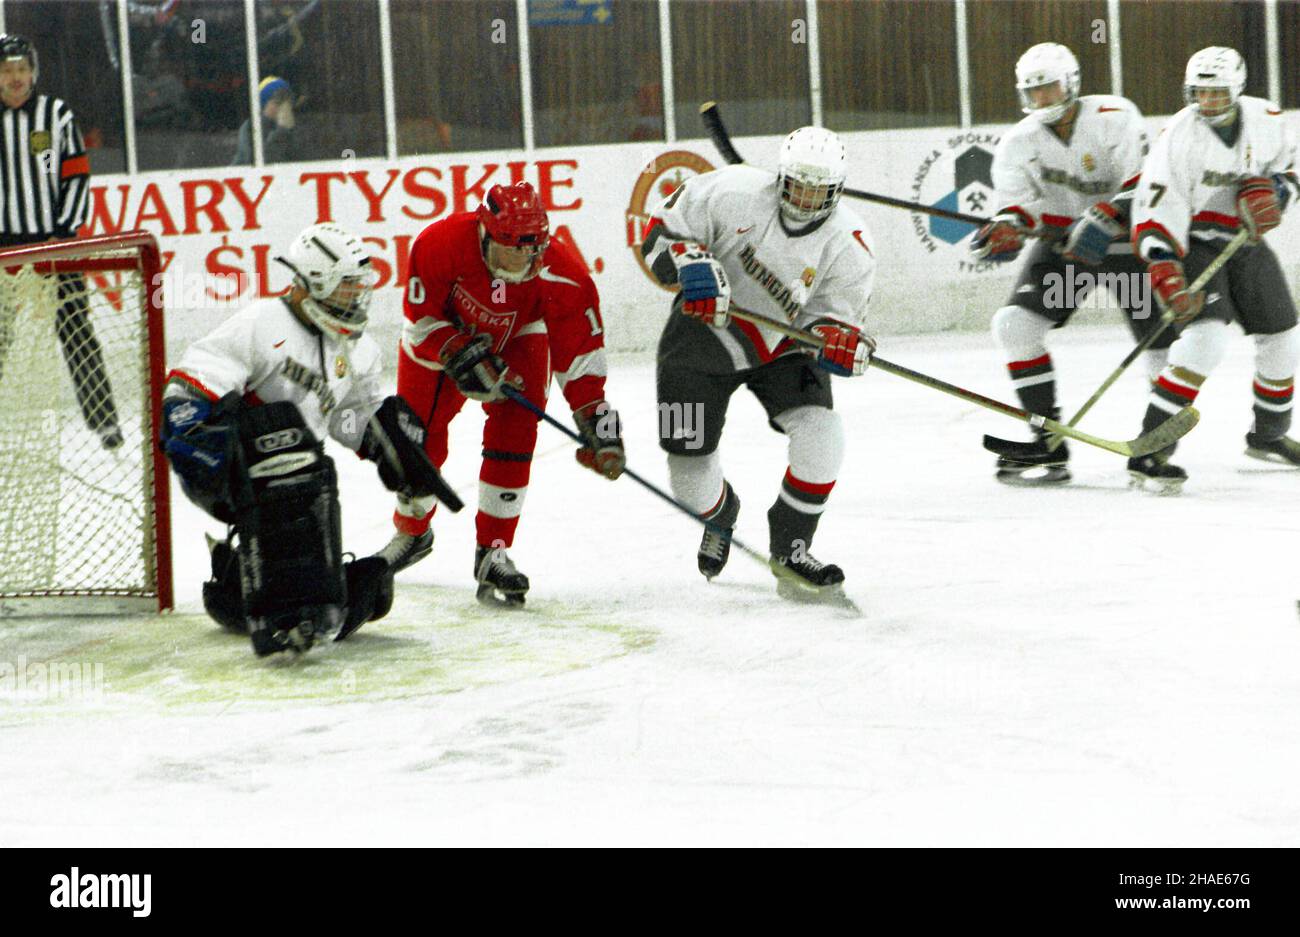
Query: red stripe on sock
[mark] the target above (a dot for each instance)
(808, 488)
(1188, 392)
(1031, 363)
(1273, 392)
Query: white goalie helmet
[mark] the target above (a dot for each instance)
(1045, 64)
(333, 267)
(810, 174)
(1217, 68)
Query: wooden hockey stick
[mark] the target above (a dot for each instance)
(1166, 320)
(1166, 434)
(722, 141)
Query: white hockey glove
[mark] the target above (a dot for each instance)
(704, 284)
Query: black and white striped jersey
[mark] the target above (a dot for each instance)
(44, 170)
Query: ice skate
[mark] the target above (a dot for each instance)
(1155, 473)
(1283, 451)
(807, 579)
(499, 583)
(1031, 464)
(406, 550)
(295, 631)
(715, 545)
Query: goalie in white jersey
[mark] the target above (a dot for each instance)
(784, 247)
(1068, 169)
(246, 411)
(1225, 161)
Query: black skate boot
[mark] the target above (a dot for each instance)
(715, 546)
(1031, 464)
(499, 583)
(222, 594)
(807, 579)
(406, 550)
(1284, 451)
(294, 631)
(1157, 474)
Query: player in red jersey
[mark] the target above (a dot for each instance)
(492, 302)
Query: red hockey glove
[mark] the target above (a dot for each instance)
(1258, 206)
(602, 435)
(1171, 290)
(1000, 240)
(704, 284)
(478, 373)
(847, 351)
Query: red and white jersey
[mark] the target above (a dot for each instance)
(1190, 179)
(449, 288)
(734, 211)
(1050, 181)
(266, 354)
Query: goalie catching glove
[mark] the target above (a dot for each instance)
(478, 373)
(845, 351)
(705, 289)
(602, 435)
(395, 440)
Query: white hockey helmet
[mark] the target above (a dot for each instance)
(1218, 68)
(810, 174)
(333, 267)
(1045, 64)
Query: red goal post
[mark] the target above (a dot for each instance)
(85, 521)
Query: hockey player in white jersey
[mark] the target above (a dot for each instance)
(1225, 161)
(1068, 168)
(782, 246)
(245, 414)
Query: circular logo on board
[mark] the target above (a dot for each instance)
(956, 177)
(658, 179)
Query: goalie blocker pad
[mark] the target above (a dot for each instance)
(395, 440)
(287, 515)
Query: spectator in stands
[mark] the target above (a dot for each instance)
(280, 137)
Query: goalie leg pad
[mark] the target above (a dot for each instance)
(287, 514)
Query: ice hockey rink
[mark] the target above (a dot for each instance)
(1082, 666)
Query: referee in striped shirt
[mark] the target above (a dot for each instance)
(44, 190)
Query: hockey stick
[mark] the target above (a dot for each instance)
(649, 486)
(1166, 434)
(1010, 448)
(722, 141)
(1166, 320)
(658, 492)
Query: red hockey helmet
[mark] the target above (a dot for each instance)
(512, 216)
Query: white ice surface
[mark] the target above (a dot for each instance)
(1084, 666)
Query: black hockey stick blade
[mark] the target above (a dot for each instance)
(1010, 448)
(718, 133)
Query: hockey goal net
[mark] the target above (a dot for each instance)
(84, 520)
